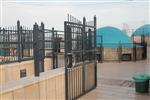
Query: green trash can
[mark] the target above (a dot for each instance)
(141, 83)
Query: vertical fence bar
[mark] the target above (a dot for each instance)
(95, 63)
(134, 52)
(19, 41)
(42, 39)
(144, 46)
(83, 48)
(120, 52)
(66, 70)
(53, 49)
(56, 52)
(102, 50)
(36, 64)
(22, 42)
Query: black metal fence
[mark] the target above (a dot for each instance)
(20, 43)
(80, 57)
(16, 44)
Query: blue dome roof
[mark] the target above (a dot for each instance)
(143, 30)
(111, 37)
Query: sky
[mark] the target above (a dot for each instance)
(133, 13)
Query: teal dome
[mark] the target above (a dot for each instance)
(143, 30)
(111, 37)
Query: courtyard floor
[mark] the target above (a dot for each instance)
(115, 81)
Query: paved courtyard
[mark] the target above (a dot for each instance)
(115, 81)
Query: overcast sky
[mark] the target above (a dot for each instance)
(109, 13)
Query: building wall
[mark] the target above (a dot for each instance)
(111, 54)
(138, 39)
(139, 53)
(9, 72)
(147, 39)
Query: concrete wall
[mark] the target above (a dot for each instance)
(9, 72)
(111, 54)
(138, 39)
(147, 39)
(139, 53)
(49, 86)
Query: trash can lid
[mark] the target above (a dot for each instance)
(141, 77)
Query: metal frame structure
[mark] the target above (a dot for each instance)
(80, 50)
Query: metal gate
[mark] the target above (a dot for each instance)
(80, 59)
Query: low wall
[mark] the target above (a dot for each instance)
(112, 54)
(9, 72)
(50, 85)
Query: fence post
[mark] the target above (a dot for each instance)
(4, 38)
(144, 50)
(22, 42)
(134, 51)
(66, 70)
(142, 38)
(102, 50)
(57, 47)
(120, 52)
(83, 48)
(35, 43)
(89, 46)
(19, 40)
(42, 39)
(53, 50)
(68, 55)
(95, 62)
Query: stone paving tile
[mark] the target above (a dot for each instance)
(110, 89)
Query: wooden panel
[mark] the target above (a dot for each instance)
(89, 76)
